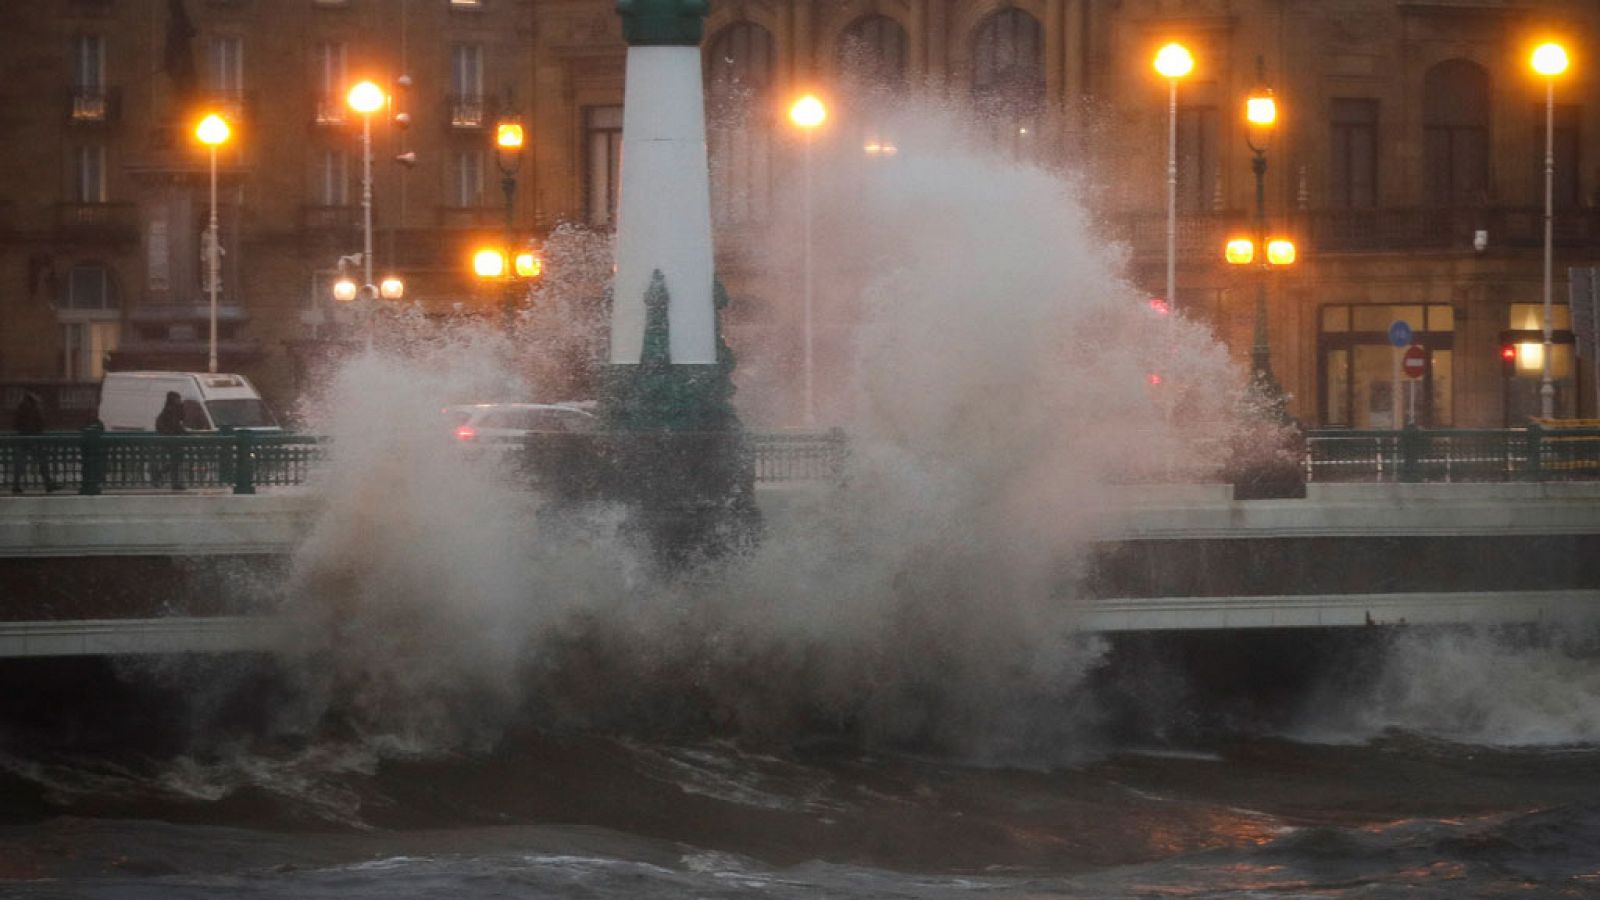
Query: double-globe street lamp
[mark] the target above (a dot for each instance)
(1261, 118)
(366, 98)
(213, 131)
(808, 113)
(1173, 62)
(508, 140)
(1550, 61)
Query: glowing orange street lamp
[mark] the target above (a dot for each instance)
(1173, 62)
(213, 131)
(528, 265)
(1240, 251)
(1280, 252)
(489, 263)
(1550, 61)
(808, 113)
(366, 98)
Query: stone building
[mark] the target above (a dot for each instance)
(1407, 165)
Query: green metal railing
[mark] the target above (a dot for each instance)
(1534, 453)
(91, 462)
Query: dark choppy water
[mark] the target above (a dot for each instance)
(593, 817)
(1462, 768)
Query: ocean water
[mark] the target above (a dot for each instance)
(1307, 801)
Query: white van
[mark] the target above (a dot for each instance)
(131, 401)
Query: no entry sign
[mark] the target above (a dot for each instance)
(1415, 362)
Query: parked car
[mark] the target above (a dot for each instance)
(491, 422)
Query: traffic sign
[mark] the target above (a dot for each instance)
(1400, 333)
(1415, 361)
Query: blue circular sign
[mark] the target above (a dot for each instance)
(1400, 333)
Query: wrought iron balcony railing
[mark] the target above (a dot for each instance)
(93, 104)
(98, 221)
(467, 110)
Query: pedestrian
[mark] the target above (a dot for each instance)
(29, 422)
(170, 422)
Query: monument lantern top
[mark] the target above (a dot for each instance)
(658, 23)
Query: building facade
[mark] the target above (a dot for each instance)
(1407, 165)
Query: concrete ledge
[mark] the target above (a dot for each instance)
(193, 524)
(272, 523)
(1457, 492)
(1338, 610)
(139, 637)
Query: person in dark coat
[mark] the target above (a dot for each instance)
(29, 420)
(170, 422)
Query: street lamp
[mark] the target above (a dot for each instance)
(1261, 117)
(1550, 61)
(808, 113)
(366, 98)
(346, 290)
(514, 271)
(213, 131)
(1173, 62)
(508, 156)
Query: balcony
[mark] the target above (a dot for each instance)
(459, 217)
(1395, 230)
(330, 109)
(93, 105)
(233, 105)
(330, 218)
(1390, 230)
(105, 222)
(467, 110)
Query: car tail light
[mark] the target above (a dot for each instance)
(466, 433)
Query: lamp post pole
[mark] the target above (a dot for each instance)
(1261, 349)
(1547, 387)
(508, 157)
(366, 197)
(807, 113)
(810, 361)
(1172, 192)
(1173, 62)
(211, 263)
(1261, 116)
(213, 131)
(1549, 60)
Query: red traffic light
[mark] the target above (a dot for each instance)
(1154, 378)
(1508, 358)
(1159, 306)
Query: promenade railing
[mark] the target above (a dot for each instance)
(1535, 453)
(91, 461)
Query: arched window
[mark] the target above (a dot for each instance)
(1455, 123)
(873, 54)
(1008, 63)
(740, 68)
(1008, 77)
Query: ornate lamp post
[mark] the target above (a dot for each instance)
(1261, 114)
(366, 98)
(808, 113)
(508, 157)
(1174, 62)
(1550, 61)
(213, 131)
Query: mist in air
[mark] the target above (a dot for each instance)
(990, 363)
